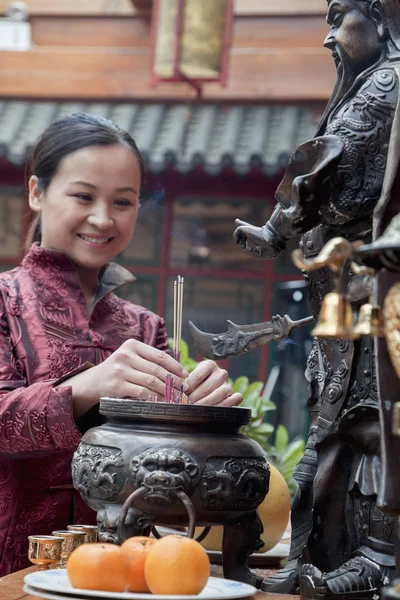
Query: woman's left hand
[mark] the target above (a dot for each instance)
(209, 385)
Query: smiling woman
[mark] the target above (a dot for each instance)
(65, 338)
(91, 219)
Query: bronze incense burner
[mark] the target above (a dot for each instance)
(155, 463)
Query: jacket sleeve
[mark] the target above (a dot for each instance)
(161, 339)
(153, 330)
(35, 420)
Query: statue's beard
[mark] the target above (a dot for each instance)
(345, 77)
(345, 74)
(343, 70)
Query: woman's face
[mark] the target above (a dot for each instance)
(90, 208)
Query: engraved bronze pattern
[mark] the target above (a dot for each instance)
(234, 483)
(115, 409)
(97, 470)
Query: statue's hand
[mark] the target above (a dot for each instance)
(252, 239)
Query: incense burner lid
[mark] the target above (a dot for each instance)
(118, 410)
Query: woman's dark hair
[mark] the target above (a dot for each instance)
(67, 135)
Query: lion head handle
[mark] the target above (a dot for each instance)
(163, 472)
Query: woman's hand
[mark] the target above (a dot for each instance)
(134, 370)
(209, 385)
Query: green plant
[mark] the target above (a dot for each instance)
(283, 454)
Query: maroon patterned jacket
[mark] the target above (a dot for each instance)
(46, 333)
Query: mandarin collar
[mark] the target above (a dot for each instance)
(112, 276)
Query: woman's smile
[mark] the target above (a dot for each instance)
(96, 241)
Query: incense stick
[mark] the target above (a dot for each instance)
(168, 388)
(178, 312)
(180, 319)
(175, 316)
(170, 395)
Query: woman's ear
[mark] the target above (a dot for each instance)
(35, 194)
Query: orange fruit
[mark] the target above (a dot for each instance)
(136, 549)
(176, 565)
(102, 567)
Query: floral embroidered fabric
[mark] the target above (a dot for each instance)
(47, 333)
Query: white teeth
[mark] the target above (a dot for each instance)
(94, 240)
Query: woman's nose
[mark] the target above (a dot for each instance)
(101, 219)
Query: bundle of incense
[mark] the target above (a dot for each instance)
(178, 305)
(169, 387)
(184, 398)
(171, 395)
(181, 397)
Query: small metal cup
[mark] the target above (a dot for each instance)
(89, 530)
(70, 541)
(44, 550)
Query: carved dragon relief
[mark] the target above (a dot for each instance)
(234, 483)
(97, 472)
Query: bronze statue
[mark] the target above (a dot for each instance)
(343, 543)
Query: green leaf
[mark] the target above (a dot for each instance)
(264, 428)
(293, 452)
(253, 390)
(267, 405)
(241, 384)
(253, 400)
(281, 438)
(190, 365)
(184, 351)
(257, 411)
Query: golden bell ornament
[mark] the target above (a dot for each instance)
(391, 314)
(335, 319)
(370, 321)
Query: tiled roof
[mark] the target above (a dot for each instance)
(215, 137)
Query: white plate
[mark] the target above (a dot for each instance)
(56, 583)
(46, 595)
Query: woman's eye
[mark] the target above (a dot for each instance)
(84, 197)
(123, 202)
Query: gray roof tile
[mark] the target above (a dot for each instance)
(214, 136)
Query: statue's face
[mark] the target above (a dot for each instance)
(353, 37)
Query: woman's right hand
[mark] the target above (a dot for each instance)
(134, 370)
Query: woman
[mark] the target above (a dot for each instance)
(65, 338)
